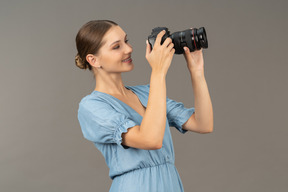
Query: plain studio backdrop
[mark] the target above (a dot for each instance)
(41, 143)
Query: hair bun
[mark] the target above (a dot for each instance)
(79, 62)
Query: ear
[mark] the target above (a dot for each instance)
(93, 60)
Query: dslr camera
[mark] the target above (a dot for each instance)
(194, 39)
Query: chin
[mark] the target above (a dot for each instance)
(130, 67)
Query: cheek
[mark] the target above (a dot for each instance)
(117, 57)
(111, 57)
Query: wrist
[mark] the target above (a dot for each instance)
(158, 74)
(197, 73)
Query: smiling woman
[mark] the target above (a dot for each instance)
(103, 48)
(129, 125)
(88, 41)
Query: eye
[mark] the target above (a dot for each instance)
(117, 47)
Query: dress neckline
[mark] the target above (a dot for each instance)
(129, 88)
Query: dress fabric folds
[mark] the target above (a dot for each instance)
(103, 118)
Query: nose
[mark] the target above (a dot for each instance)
(128, 48)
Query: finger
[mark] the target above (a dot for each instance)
(187, 54)
(171, 54)
(186, 50)
(170, 46)
(167, 42)
(172, 51)
(159, 37)
(148, 48)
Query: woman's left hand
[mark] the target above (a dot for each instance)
(195, 61)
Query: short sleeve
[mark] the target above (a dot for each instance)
(177, 114)
(101, 123)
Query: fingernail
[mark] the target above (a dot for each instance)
(146, 42)
(185, 48)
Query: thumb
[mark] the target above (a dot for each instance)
(148, 48)
(187, 54)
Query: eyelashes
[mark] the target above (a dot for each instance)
(118, 46)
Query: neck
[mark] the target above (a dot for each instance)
(111, 84)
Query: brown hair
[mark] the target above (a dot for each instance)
(89, 40)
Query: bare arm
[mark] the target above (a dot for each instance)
(150, 134)
(202, 120)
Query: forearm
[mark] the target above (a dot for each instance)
(203, 104)
(154, 120)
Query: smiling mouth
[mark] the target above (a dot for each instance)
(127, 60)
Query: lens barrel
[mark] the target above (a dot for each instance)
(194, 39)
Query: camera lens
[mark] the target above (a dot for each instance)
(201, 34)
(194, 39)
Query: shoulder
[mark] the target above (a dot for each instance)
(93, 103)
(87, 100)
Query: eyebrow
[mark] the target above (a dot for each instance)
(118, 41)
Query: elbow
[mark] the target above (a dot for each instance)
(208, 129)
(153, 145)
(157, 146)
(151, 141)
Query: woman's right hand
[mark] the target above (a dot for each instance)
(161, 55)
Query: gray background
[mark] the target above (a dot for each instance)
(41, 143)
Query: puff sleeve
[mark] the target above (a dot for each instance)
(101, 123)
(177, 114)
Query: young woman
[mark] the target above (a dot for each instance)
(129, 125)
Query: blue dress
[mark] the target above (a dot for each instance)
(103, 118)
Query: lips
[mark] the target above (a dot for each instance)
(128, 59)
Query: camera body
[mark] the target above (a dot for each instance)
(194, 39)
